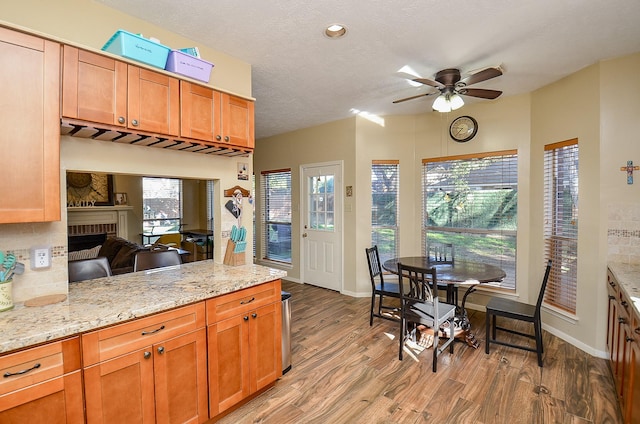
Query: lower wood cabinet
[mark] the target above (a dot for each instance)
(623, 343)
(245, 350)
(42, 384)
(164, 381)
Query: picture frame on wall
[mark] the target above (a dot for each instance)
(89, 189)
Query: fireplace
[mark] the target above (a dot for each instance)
(112, 220)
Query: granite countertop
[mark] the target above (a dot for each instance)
(105, 301)
(628, 276)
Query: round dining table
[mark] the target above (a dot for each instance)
(460, 272)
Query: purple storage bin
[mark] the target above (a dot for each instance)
(189, 66)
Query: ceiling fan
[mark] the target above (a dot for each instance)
(450, 87)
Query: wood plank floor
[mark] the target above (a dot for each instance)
(347, 372)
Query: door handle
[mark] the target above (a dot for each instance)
(304, 234)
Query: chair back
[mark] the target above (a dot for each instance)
(418, 285)
(88, 269)
(375, 270)
(155, 259)
(441, 253)
(543, 287)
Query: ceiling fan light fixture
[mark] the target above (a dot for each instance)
(456, 102)
(442, 104)
(335, 31)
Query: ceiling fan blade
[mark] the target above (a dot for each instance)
(429, 82)
(412, 97)
(480, 92)
(483, 75)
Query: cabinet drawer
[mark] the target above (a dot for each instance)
(239, 302)
(37, 364)
(118, 340)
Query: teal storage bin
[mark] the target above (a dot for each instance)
(138, 48)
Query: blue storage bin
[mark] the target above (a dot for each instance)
(138, 48)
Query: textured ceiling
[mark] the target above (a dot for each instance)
(301, 78)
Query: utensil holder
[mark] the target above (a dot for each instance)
(6, 295)
(231, 257)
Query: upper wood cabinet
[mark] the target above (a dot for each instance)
(30, 87)
(214, 116)
(104, 90)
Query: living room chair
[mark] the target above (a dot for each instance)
(88, 269)
(517, 311)
(419, 305)
(155, 259)
(379, 287)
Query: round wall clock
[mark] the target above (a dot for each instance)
(463, 129)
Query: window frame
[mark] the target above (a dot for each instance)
(457, 233)
(384, 252)
(266, 222)
(178, 219)
(560, 234)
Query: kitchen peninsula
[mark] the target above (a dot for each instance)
(153, 333)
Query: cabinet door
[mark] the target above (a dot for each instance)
(180, 369)
(612, 324)
(153, 102)
(30, 122)
(237, 121)
(228, 363)
(94, 87)
(54, 401)
(265, 345)
(200, 108)
(121, 390)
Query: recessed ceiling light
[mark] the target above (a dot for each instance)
(335, 31)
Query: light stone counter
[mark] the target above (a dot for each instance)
(101, 302)
(628, 276)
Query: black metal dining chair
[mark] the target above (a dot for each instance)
(517, 311)
(88, 269)
(155, 259)
(379, 287)
(419, 304)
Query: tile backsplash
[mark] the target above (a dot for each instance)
(623, 233)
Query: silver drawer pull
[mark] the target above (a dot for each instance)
(244, 302)
(11, 374)
(146, 333)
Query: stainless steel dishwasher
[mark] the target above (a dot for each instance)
(286, 332)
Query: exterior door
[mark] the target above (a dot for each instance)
(322, 225)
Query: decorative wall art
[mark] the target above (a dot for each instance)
(86, 189)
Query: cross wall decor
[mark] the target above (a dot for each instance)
(629, 169)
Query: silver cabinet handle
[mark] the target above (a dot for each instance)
(218, 137)
(134, 122)
(121, 119)
(146, 333)
(226, 138)
(11, 374)
(161, 350)
(147, 355)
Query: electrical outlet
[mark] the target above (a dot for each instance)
(40, 257)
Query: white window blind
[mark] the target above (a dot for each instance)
(384, 207)
(561, 223)
(162, 205)
(276, 215)
(471, 201)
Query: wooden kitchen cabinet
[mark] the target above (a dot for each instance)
(213, 116)
(42, 384)
(244, 343)
(623, 343)
(30, 86)
(149, 370)
(100, 89)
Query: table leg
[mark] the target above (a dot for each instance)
(469, 338)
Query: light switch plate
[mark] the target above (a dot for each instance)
(40, 257)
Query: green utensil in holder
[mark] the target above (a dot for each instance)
(6, 295)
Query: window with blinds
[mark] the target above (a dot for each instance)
(471, 201)
(384, 210)
(276, 215)
(561, 223)
(162, 205)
